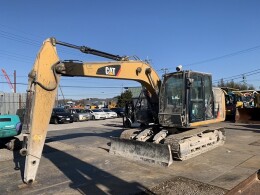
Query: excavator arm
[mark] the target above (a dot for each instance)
(127, 70)
(43, 84)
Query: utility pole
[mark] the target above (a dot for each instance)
(165, 70)
(244, 79)
(14, 81)
(62, 96)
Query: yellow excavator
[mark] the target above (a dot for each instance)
(182, 107)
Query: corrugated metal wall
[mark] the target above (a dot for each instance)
(10, 102)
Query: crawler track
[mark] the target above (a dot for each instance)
(194, 142)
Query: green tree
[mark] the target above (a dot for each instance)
(235, 85)
(251, 87)
(123, 98)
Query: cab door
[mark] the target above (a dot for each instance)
(201, 97)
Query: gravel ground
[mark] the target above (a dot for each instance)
(184, 186)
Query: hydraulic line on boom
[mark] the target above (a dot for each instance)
(88, 50)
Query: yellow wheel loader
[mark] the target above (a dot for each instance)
(250, 112)
(182, 107)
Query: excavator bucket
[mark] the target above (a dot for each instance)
(249, 186)
(248, 115)
(142, 151)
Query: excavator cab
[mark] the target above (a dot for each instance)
(186, 97)
(188, 104)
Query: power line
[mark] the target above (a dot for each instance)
(18, 30)
(105, 87)
(18, 38)
(16, 76)
(250, 73)
(253, 80)
(241, 74)
(15, 57)
(32, 42)
(16, 83)
(226, 56)
(81, 87)
(25, 40)
(88, 94)
(28, 41)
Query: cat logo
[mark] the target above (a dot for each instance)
(112, 70)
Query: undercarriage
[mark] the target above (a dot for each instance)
(161, 146)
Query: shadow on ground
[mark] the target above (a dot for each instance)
(113, 125)
(114, 133)
(251, 126)
(84, 177)
(245, 127)
(19, 162)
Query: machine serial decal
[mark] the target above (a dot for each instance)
(112, 70)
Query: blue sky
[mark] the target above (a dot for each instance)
(220, 37)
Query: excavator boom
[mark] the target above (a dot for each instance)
(42, 90)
